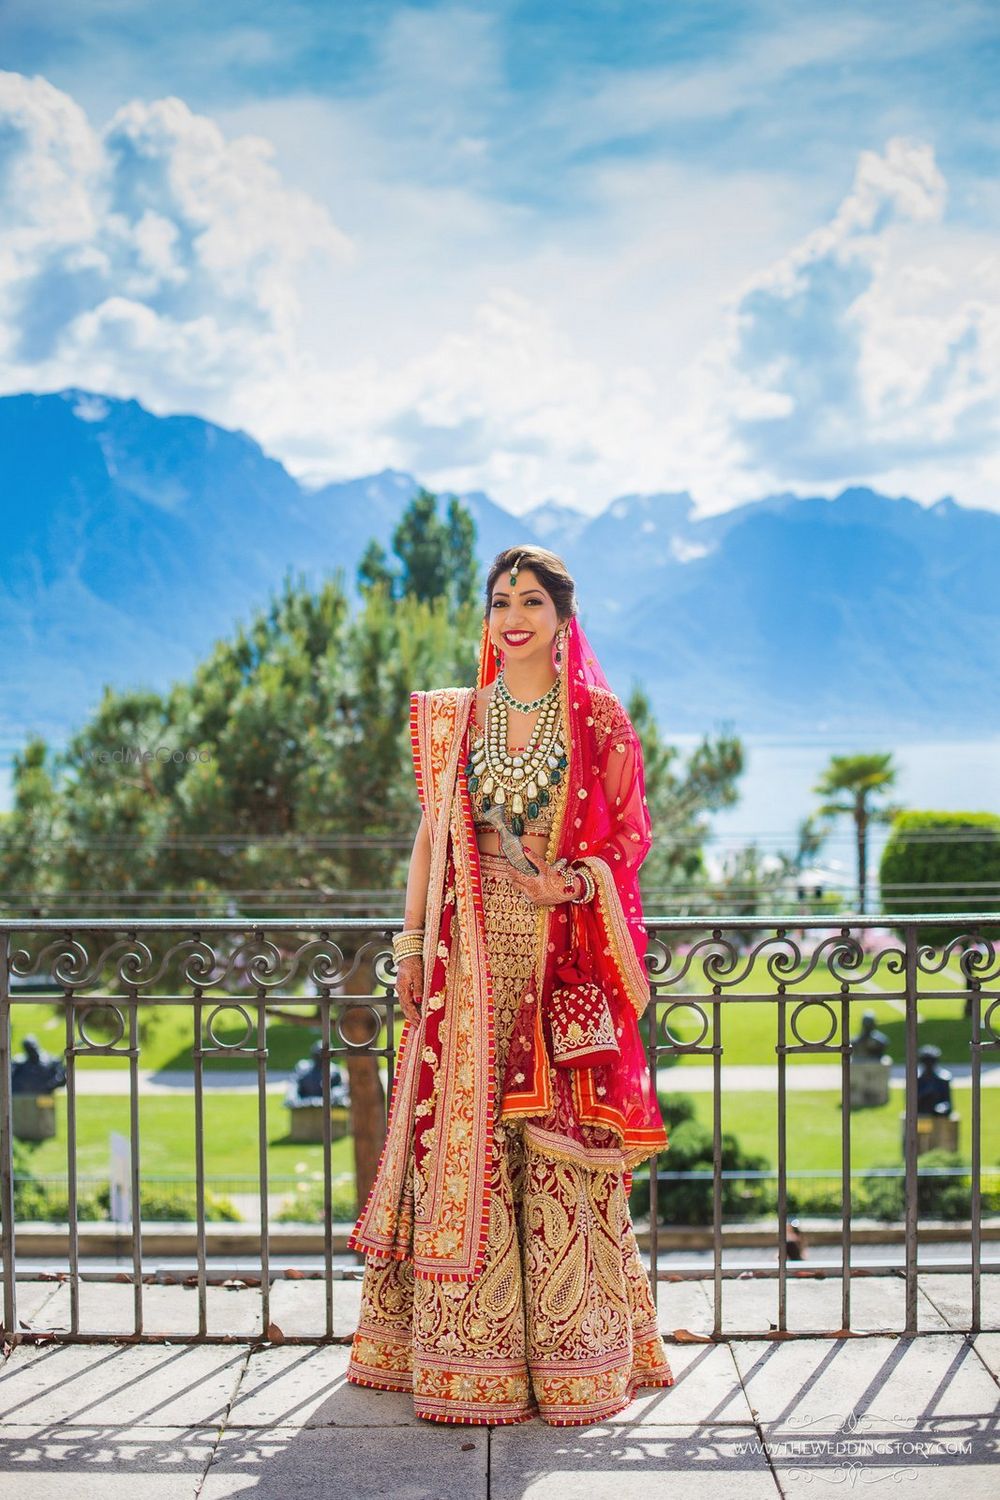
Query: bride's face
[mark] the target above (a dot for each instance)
(523, 619)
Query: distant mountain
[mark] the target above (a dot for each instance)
(555, 525)
(791, 615)
(131, 542)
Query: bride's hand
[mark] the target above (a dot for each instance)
(548, 887)
(409, 983)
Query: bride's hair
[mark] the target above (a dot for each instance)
(550, 570)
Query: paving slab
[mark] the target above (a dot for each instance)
(308, 1387)
(31, 1298)
(166, 1385)
(684, 1305)
(987, 1346)
(432, 1462)
(707, 1388)
(610, 1462)
(952, 1296)
(108, 1307)
(920, 1463)
(823, 1385)
(299, 1307)
(42, 1462)
(813, 1305)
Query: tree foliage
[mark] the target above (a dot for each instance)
(849, 786)
(277, 779)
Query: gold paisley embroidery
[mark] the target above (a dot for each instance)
(561, 1321)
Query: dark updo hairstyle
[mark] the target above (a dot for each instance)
(550, 570)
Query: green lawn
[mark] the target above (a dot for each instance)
(749, 1030)
(169, 1042)
(166, 1135)
(813, 1127)
(166, 1128)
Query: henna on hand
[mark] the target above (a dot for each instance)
(548, 887)
(409, 983)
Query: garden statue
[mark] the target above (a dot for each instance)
(870, 1065)
(304, 1098)
(937, 1122)
(34, 1076)
(933, 1084)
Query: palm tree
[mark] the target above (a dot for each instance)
(858, 778)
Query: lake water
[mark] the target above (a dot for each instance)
(776, 789)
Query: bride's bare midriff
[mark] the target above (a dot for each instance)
(489, 842)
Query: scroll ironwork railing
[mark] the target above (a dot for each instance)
(703, 972)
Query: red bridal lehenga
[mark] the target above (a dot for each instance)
(502, 1277)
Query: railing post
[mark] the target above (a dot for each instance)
(717, 1162)
(976, 1200)
(7, 1143)
(654, 1161)
(910, 1127)
(782, 1165)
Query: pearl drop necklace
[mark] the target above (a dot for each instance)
(519, 782)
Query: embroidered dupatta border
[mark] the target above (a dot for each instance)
(609, 906)
(385, 1226)
(461, 1098)
(438, 722)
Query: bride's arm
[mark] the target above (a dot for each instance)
(410, 971)
(416, 883)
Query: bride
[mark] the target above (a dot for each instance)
(502, 1278)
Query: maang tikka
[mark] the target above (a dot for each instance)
(498, 654)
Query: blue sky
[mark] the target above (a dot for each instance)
(547, 251)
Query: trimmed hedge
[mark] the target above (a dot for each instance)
(934, 848)
(938, 1197)
(36, 1202)
(691, 1151)
(306, 1205)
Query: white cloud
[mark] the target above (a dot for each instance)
(861, 350)
(155, 252)
(352, 315)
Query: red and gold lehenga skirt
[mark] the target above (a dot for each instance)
(561, 1322)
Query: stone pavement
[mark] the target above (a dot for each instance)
(751, 1417)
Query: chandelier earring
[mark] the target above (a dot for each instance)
(558, 642)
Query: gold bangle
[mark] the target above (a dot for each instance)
(407, 945)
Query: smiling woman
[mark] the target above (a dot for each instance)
(503, 1279)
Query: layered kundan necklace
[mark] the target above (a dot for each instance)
(518, 783)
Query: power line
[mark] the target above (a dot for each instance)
(224, 842)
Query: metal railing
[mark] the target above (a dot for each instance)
(702, 969)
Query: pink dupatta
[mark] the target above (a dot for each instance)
(607, 1115)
